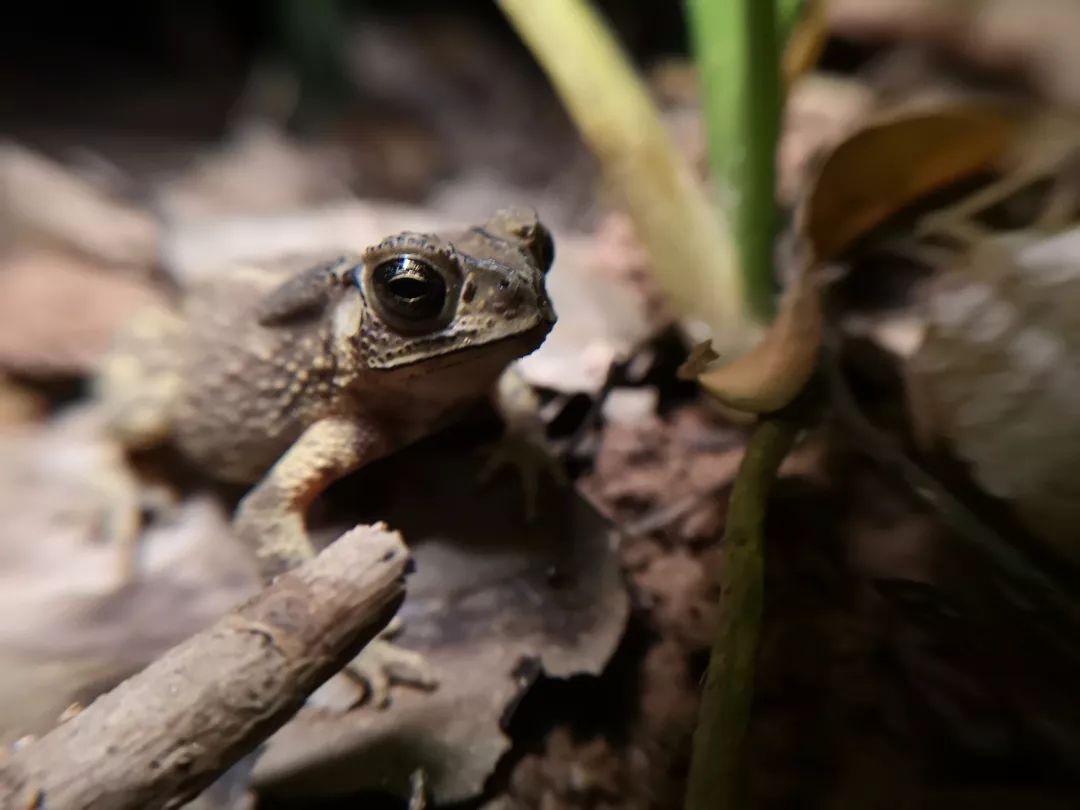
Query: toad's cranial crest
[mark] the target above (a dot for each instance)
(294, 381)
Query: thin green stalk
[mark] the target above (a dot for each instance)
(737, 48)
(718, 763)
(689, 245)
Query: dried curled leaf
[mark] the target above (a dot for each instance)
(775, 371)
(997, 379)
(887, 166)
(869, 178)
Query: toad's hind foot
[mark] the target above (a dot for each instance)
(382, 664)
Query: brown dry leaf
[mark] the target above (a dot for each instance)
(66, 630)
(59, 312)
(771, 375)
(42, 202)
(493, 601)
(997, 380)
(887, 166)
(873, 175)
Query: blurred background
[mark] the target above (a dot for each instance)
(917, 644)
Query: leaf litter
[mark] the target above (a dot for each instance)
(876, 663)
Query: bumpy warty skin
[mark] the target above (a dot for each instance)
(256, 356)
(248, 390)
(291, 381)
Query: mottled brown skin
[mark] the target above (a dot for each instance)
(293, 384)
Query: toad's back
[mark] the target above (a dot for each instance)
(297, 381)
(248, 390)
(374, 347)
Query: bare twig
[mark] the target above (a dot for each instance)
(159, 738)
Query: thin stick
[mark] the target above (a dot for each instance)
(159, 738)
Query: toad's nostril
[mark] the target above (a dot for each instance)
(468, 292)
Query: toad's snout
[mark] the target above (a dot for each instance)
(515, 298)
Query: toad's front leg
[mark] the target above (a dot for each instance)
(270, 520)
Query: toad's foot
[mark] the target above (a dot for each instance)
(524, 447)
(381, 664)
(530, 462)
(369, 676)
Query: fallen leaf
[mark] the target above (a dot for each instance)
(772, 374)
(701, 357)
(885, 167)
(43, 202)
(493, 603)
(59, 312)
(67, 631)
(996, 377)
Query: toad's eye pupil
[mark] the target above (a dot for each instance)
(409, 287)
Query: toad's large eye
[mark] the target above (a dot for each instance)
(409, 288)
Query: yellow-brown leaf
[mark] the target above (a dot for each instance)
(775, 371)
(887, 166)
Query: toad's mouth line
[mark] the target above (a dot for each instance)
(453, 356)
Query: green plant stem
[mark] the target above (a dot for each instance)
(718, 761)
(737, 51)
(689, 245)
